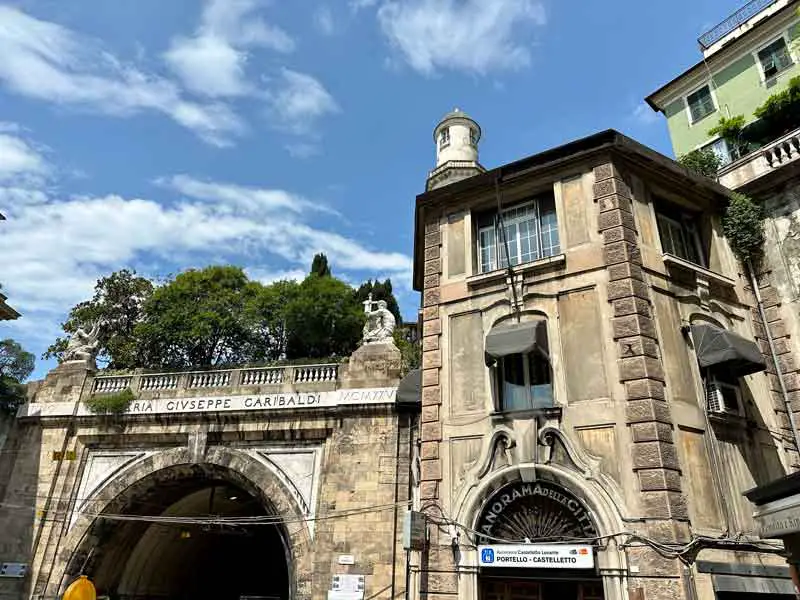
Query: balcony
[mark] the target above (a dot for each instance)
(751, 170)
(230, 381)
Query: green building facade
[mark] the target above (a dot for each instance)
(737, 74)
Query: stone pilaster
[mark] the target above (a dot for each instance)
(655, 459)
(431, 425)
(779, 329)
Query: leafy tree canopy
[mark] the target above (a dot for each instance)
(324, 319)
(702, 161)
(743, 225)
(319, 266)
(267, 313)
(117, 302)
(16, 365)
(197, 319)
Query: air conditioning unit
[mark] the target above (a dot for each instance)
(723, 398)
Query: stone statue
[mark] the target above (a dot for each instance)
(82, 345)
(380, 322)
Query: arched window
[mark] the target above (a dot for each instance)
(520, 355)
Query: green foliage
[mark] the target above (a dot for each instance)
(781, 111)
(319, 266)
(743, 225)
(703, 161)
(110, 404)
(731, 130)
(324, 319)
(117, 302)
(410, 352)
(197, 319)
(16, 365)
(267, 312)
(380, 291)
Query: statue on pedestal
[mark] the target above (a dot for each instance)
(380, 322)
(83, 346)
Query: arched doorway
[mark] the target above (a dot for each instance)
(179, 554)
(517, 514)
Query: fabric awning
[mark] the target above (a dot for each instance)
(516, 338)
(410, 389)
(717, 347)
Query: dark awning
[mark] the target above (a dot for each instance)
(410, 389)
(716, 347)
(516, 338)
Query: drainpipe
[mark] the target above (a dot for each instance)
(774, 355)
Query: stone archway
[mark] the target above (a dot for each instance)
(596, 514)
(172, 483)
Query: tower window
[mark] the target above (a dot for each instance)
(518, 235)
(473, 136)
(444, 138)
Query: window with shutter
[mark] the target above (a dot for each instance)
(775, 58)
(701, 103)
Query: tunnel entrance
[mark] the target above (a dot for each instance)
(188, 532)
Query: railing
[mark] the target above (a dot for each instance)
(740, 17)
(112, 384)
(267, 376)
(762, 161)
(784, 150)
(158, 382)
(316, 373)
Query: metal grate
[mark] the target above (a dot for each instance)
(738, 18)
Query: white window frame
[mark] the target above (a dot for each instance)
(707, 146)
(688, 109)
(785, 35)
(498, 241)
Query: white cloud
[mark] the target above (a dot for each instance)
(213, 61)
(299, 101)
(18, 159)
(232, 196)
(303, 149)
(357, 5)
(472, 36)
(644, 114)
(323, 20)
(48, 62)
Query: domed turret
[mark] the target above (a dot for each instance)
(456, 138)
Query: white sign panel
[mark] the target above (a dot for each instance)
(213, 404)
(779, 518)
(537, 556)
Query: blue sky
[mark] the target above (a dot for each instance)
(166, 135)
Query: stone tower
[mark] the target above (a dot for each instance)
(456, 138)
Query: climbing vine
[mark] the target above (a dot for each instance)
(113, 404)
(743, 225)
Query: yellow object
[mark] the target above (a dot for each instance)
(80, 589)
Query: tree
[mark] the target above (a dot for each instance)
(324, 319)
(197, 320)
(743, 225)
(380, 291)
(702, 161)
(410, 352)
(117, 301)
(319, 266)
(266, 312)
(16, 365)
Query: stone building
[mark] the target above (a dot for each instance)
(275, 482)
(589, 375)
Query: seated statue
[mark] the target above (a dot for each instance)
(83, 346)
(380, 324)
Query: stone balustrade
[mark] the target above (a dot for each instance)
(219, 380)
(761, 162)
